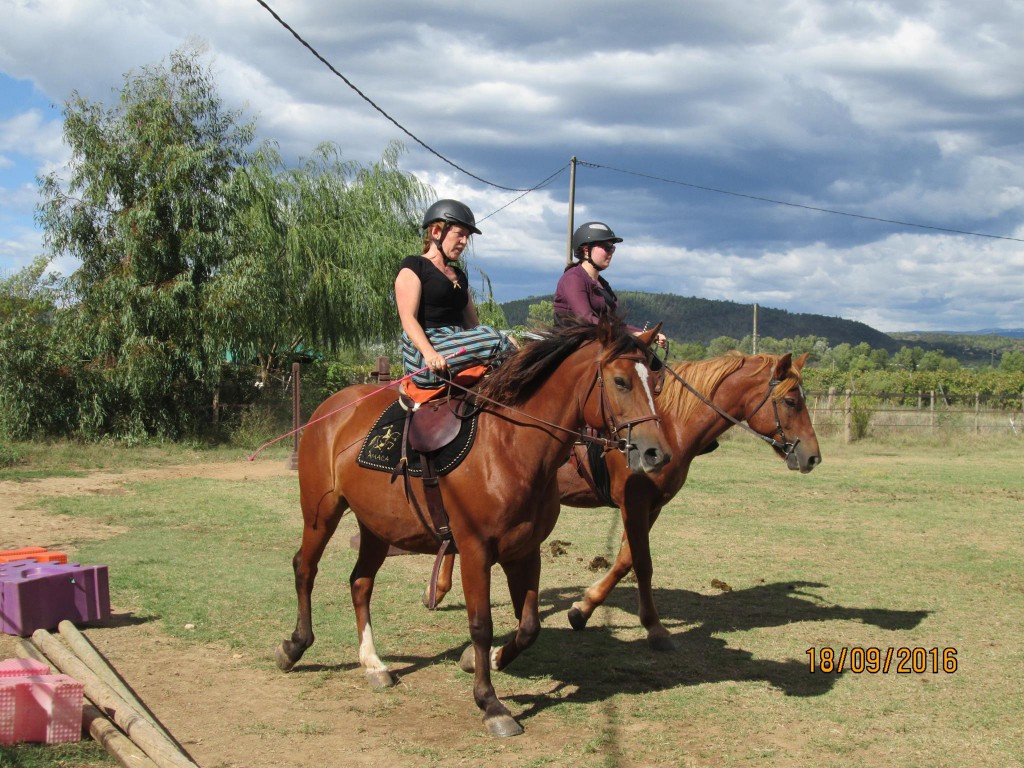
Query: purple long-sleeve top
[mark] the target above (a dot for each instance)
(578, 294)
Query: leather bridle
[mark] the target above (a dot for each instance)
(784, 446)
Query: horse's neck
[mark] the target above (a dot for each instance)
(705, 423)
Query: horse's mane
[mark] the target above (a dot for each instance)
(519, 377)
(707, 375)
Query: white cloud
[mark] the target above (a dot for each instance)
(907, 112)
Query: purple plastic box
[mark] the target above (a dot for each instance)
(41, 595)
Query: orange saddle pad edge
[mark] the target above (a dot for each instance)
(466, 378)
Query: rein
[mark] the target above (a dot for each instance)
(623, 445)
(782, 445)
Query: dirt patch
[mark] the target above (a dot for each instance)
(231, 710)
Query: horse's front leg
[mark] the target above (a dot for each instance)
(595, 595)
(305, 566)
(638, 519)
(372, 552)
(638, 516)
(476, 584)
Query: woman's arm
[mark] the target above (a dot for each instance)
(469, 316)
(408, 292)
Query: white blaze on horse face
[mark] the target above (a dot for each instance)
(645, 379)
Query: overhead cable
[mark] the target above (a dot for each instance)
(370, 101)
(797, 205)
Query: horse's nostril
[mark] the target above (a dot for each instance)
(656, 457)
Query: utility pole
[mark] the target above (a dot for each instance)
(754, 350)
(572, 206)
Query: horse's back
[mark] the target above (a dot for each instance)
(337, 427)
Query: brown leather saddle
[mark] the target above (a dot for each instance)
(431, 430)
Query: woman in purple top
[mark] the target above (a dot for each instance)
(582, 291)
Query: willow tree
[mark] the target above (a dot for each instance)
(145, 208)
(316, 251)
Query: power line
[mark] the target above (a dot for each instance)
(797, 205)
(542, 184)
(472, 175)
(370, 101)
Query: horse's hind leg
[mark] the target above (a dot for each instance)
(315, 536)
(523, 584)
(444, 582)
(372, 551)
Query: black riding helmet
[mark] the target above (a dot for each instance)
(590, 233)
(450, 212)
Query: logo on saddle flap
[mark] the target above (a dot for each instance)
(381, 445)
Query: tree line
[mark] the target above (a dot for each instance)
(205, 264)
(842, 365)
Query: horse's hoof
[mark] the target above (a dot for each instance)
(661, 643)
(502, 726)
(380, 678)
(467, 662)
(577, 619)
(284, 661)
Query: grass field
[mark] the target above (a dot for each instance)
(887, 545)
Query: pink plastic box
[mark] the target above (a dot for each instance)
(40, 708)
(41, 595)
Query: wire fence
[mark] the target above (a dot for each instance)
(859, 414)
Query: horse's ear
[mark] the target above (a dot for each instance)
(782, 366)
(798, 364)
(648, 337)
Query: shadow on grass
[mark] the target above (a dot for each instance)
(599, 665)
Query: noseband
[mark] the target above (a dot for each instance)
(608, 418)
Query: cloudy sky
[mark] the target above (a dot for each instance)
(771, 152)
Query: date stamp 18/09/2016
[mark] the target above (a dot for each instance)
(874, 660)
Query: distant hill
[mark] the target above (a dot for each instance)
(969, 348)
(688, 318)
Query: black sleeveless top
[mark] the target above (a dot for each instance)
(441, 301)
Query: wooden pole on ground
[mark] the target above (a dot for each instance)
(139, 730)
(93, 659)
(102, 731)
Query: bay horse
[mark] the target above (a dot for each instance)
(762, 390)
(502, 500)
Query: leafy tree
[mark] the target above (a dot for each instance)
(37, 396)
(541, 313)
(1012, 361)
(721, 345)
(145, 209)
(316, 250)
(689, 350)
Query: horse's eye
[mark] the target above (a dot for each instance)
(792, 402)
(622, 383)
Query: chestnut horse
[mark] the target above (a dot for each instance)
(502, 502)
(763, 390)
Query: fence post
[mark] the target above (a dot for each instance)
(293, 460)
(849, 416)
(831, 399)
(977, 411)
(920, 399)
(931, 408)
